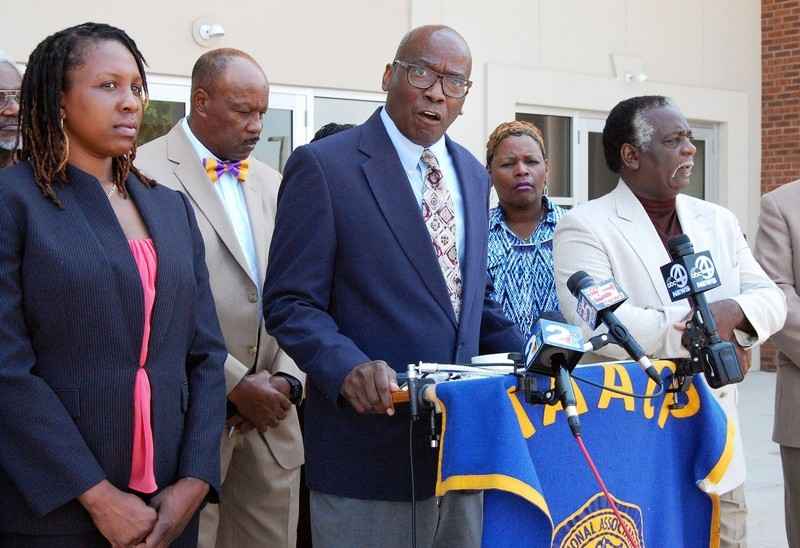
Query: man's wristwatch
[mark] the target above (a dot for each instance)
(295, 388)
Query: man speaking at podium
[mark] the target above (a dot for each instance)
(379, 260)
(624, 235)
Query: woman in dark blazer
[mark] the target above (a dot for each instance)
(111, 381)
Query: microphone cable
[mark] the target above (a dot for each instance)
(655, 394)
(413, 482)
(628, 533)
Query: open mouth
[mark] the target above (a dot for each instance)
(430, 116)
(683, 171)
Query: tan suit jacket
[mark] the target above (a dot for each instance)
(613, 236)
(778, 251)
(172, 162)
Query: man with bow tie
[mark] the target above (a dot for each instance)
(208, 157)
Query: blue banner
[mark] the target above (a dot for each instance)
(657, 461)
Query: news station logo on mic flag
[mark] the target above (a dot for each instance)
(539, 490)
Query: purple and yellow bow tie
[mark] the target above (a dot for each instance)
(215, 169)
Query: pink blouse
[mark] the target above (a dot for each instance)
(143, 477)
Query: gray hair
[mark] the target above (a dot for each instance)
(644, 130)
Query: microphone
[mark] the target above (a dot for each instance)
(554, 348)
(596, 304)
(688, 276)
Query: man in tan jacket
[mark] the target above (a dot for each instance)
(208, 157)
(778, 251)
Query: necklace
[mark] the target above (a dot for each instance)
(109, 193)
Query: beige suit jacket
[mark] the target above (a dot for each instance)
(613, 236)
(778, 251)
(172, 162)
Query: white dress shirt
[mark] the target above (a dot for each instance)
(231, 194)
(410, 155)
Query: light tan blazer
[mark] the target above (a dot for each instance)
(778, 251)
(613, 236)
(172, 162)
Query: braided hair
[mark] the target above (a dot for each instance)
(45, 144)
(516, 128)
(626, 124)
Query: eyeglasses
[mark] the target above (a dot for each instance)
(422, 78)
(8, 95)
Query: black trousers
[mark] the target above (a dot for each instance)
(93, 539)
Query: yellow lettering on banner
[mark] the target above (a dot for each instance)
(611, 373)
(691, 408)
(649, 410)
(525, 425)
(550, 411)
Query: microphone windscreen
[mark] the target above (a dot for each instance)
(680, 245)
(553, 316)
(578, 281)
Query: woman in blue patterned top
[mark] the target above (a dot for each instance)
(521, 229)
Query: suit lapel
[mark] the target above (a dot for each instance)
(167, 252)
(695, 224)
(389, 184)
(102, 223)
(474, 212)
(636, 227)
(195, 181)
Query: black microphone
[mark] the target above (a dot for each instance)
(596, 305)
(554, 348)
(688, 276)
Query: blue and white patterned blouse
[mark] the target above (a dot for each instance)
(522, 270)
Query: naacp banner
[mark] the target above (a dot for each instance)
(660, 462)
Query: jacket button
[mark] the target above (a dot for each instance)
(252, 296)
(252, 350)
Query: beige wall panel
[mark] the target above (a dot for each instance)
(668, 38)
(342, 44)
(579, 36)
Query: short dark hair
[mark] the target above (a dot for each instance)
(626, 125)
(211, 65)
(329, 129)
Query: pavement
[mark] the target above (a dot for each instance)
(764, 485)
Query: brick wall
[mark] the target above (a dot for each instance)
(780, 104)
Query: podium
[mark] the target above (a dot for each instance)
(661, 464)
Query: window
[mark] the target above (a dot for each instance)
(342, 110)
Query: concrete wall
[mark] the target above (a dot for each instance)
(713, 44)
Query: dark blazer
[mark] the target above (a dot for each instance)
(352, 277)
(71, 318)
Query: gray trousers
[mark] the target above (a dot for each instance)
(452, 521)
(790, 459)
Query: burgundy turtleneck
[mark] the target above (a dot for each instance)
(664, 217)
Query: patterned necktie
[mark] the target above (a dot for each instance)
(440, 218)
(215, 169)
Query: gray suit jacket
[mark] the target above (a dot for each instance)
(172, 162)
(778, 251)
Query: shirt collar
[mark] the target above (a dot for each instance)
(498, 219)
(199, 148)
(409, 151)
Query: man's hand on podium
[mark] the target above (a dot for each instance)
(369, 386)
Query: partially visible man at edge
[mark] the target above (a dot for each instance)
(379, 260)
(10, 81)
(624, 235)
(208, 156)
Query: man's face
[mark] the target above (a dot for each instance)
(9, 115)
(665, 164)
(423, 115)
(233, 109)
